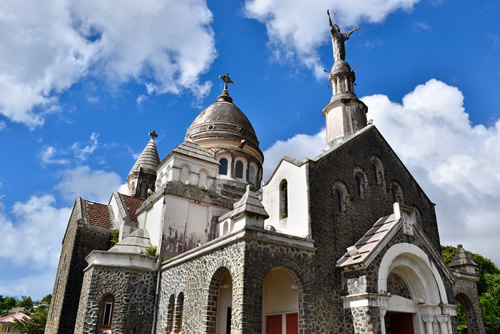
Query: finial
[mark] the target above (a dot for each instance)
(153, 134)
(225, 94)
(226, 80)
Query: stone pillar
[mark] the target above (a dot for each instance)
(382, 320)
(428, 320)
(443, 323)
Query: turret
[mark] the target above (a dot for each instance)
(142, 176)
(345, 114)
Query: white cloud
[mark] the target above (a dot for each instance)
(47, 47)
(455, 162)
(299, 147)
(33, 237)
(93, 185)
(47, 157)
(2, 125)
(35, 286)
(83, 152)
(297, 28)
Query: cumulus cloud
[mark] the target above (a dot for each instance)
(39, 227)
(455, 162)
(93, 185)
(297, 28)
(83, 152)
(47, 47)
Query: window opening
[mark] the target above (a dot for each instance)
(338, 198)
(283, 199)
(358, 185)
(239, 170)
(375, 173)
(107, 309)
(223, 166)
(251, 175)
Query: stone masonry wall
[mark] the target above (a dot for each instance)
(133, 291)
(466, 293)
(333, 232)
(248, 261)
(80, 240)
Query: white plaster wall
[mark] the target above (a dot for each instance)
(170, 170)
(152, 222)
(297, 222)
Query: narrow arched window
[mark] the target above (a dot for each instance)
(338, 201)
(106, 312)
(283, 199)
(179, 308)
(223, 166)
(359, 184)
(375, 174)
(251, 175)
(238, 173)
(170, 314)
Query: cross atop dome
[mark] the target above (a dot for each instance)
(153, 134)
(225, 94)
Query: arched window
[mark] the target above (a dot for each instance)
(359, 184)
(378, 170)
(338, 201)
(361, 181)
(170, 313)
(106, 312)
(251, 175)
(283, 199)
(397, 192)
(223, 166)
(341, 197)
(178, 313)
(238, 173)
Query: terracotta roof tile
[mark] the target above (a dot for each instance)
(98, 214)
(132, 204)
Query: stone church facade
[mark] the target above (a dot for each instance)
(345, 242)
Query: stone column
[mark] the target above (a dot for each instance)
(443, 323)
(382, 320)
(428, 320)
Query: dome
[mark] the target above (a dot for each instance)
(223, 120)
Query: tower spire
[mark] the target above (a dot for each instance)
(142, 176)
(346, 114)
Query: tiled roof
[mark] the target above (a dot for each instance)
(369, 241)
(132, 205)
(11, 317)
(98, 214)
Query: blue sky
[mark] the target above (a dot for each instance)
(81, 85)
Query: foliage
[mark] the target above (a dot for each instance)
(26, 303)
(113, 237)
(6, 304)
(35, 324)
(47, 298)
(153, 251)
(488, 288)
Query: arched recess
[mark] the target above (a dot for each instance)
(360, 180)
(280, 302)
(468, 309)
(170, 314)
(283, 199)
(220, 302)
(341, 197)
(426, 290)
(378, 170)
(179, 310)
(466, 294)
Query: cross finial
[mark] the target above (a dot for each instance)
(226, 80)
(153, 134)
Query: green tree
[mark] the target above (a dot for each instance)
(6, 304)
(488, 288)
(47, 298)
(35, 324)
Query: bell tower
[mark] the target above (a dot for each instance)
(345, 114)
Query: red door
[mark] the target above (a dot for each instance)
(273, 324)
(401, 323)
(292, 323)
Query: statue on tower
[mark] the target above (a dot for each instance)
(338, 39)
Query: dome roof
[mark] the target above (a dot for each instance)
(223, 120)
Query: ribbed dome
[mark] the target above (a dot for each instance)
(223, 120)
(149, 159)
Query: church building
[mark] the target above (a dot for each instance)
(344, 242)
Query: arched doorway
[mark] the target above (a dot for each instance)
(280, 305)
(417, 301)
(220, 301)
